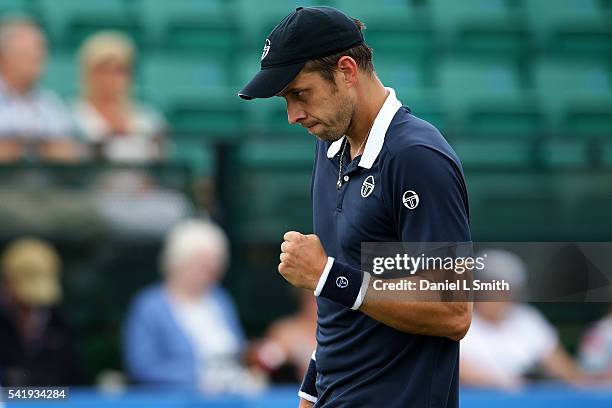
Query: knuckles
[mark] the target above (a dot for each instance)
(288, 247)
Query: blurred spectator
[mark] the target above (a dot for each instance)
(123, 130)
(596, 347)
(36, 347)
(186, 332)
(508, 340)
(106, 114)
(289, 342)
(32, 121)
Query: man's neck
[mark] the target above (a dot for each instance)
(371, 99)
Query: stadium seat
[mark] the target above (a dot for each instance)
(539, 205)
(570, 26)
(270, 155)
(488, 153)
(565, 154)
(489, 26)
(380, 10)
(204, 26)
(485, 97)
(413, 86)
(605, 151)
(577, 95)
(195, 152)
(402, 72)
(526, 205)
(393, 27)
(589, 197)
(258, 18)
(194, 93)
(274, 178)
(167, 77)
(72, 21)
(62, 75)
(8, 7)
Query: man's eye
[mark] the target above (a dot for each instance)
(299, 94)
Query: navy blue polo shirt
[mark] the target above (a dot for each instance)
(361, 362)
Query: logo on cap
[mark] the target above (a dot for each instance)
(266, 49)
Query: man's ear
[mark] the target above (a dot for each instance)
(348, 69)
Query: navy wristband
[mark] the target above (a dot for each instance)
(308, 389)
(343, 284)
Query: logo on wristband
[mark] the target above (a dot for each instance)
(341, 282)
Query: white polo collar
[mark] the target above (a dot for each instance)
(377, 134)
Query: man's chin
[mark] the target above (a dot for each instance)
(326, 137)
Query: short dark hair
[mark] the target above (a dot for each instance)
(326, 66)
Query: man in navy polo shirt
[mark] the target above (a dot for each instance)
(380, 175)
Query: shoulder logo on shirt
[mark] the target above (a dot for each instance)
(367, 187)
(341, 282)
(410, 199)
(266, 49)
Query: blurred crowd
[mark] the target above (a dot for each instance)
(185, 330)
(104, 122)
(510, 343)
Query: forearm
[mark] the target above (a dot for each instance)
(432, 317)
(560, 365)
(429, 312)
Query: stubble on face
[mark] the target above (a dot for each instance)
(335, 127)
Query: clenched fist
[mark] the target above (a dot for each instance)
(302, 259)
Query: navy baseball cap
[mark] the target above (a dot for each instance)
(305, 34)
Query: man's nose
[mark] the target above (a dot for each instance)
(295, 114)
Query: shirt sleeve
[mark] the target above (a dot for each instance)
(427, 196)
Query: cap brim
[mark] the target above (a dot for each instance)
(270, 81)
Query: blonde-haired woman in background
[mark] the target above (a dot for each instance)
(123, 130)
(106, 113)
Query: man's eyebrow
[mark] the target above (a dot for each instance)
(284, 92)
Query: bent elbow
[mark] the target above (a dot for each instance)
(461, 324)
(461, 330)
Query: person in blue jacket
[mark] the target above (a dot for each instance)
(185, 331)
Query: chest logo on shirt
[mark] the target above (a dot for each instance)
(367, 187)
(410, 199)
